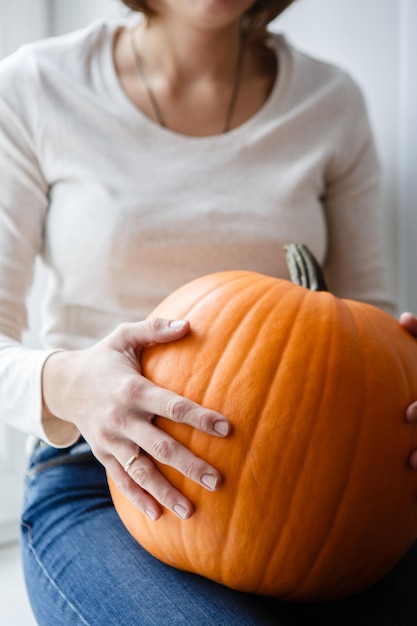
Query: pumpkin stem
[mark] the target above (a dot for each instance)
(304, 268)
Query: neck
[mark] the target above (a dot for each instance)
(200, 83)
(185, 57)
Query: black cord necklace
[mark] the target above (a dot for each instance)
(154, 102)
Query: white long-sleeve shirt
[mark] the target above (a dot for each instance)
(123, 211)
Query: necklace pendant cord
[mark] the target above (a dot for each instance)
(144, 77)
(236, 85)
(153, 100)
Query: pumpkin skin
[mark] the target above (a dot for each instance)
(318, 501)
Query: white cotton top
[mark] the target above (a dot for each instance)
(123, 211)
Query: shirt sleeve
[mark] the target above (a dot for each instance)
(23, 206)
(356, 262)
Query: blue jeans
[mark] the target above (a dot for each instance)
(82, 566)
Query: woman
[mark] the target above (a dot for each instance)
(136, 158)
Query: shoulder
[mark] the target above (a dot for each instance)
(317, 81)
(52, 61)
(76, 50)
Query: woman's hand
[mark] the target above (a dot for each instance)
(102, 392)
(409, 322)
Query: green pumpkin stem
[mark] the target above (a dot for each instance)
(304, 268)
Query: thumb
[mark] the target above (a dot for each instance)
(138, 335)
(409, 322)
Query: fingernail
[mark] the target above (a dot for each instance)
(209, 480)
(177, 324)
(180, 510)
(221, 427)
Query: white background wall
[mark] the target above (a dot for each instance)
(363, 37)
(407, 156)
(374, 39)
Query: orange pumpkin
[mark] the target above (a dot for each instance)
(318, 501)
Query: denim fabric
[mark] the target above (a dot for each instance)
(82, 567)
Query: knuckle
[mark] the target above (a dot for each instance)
(122, 327)
(204, 421)
(176, 409)
(127, 389)
(193, 468)
(140, 474)
(123, 387)
(122, 485)
(122, 331)
(161, 450)
(101, 451)
(155, 324)
(116, 419)
(165, 497)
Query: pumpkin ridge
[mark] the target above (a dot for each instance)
(334, 585)
(264, 287)
(303, 302)
(399, 362)
(256, 423)
(294, 487)
(278, 371)
(191, 310)
(236, 331)
(211, 373)
(228, 278)
(364, 313)
(327, 535)
(407, 374)
(187, 311)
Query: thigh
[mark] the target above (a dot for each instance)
(82, 567)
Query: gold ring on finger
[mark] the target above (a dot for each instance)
(131, 460)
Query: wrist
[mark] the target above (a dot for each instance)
(50, 384)
(58, 431)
